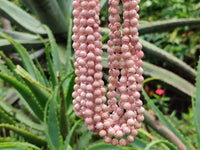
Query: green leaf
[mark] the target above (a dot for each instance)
(69, 91)
(7, 139)
(26, 94)
(28, 44)
(169, 145)
(158, 53)
(54, 51)
(30, 137)
(67, 66)
(66, 8)
(68, 138)
(169, 78)
(103, 3)
(49, 13)
(104, 146)
(5, 69)
(159, 26)
(69, 48)
(6, 117)
(164, 75)
(20, 17)
(65, 78)
(138, 143)
(45, 80)
(63, 109)
(52, 73)
(17, 146)
(11, 66)
(26, 60)
(38, 90)
(21, 117)
(20, 35)
(165, 121)
(196, 106)
(84, 140)
(11, 147)
(52, 126)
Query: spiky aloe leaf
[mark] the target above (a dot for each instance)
(164, 75)
(64, 128)
(20, 116)
(28, 44)
(20, 35)
(54, 52)
(26, 60)
(6, 139)
(52, 73)
(155, 51)
(49, 13)
(138, 143)
(68, 67)
(169, 145)
(7, 118)
(159, 26)
(52, 125)
(84, 140)
(30, 137)
(42, 72)
(5, 69)
(38, 90)
(69, 91)
(26, 94)
(20, 17)
(18, 146)
(68, 138)
(161, 54)
(103, 4)
(170, 78)
(196, 106)
(11, 70)
(168, 124)
(66, 8)
(104, 146)
(69, 48)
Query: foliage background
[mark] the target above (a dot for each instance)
(182, 42)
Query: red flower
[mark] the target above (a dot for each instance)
(160, 91)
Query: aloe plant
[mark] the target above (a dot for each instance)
(40, 95)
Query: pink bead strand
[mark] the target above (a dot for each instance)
(109, 121)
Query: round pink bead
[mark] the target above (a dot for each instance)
(122, 142)
(129, 139)
(107, 139)
(114, 142)
(99, 125)
(111, 131)
(102, 133)
(119, 134)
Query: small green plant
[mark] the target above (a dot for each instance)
(161, 100)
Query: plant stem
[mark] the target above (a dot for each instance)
(160, 26)
(162, 130)
(157, 52)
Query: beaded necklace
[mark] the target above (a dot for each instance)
(116, 121)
